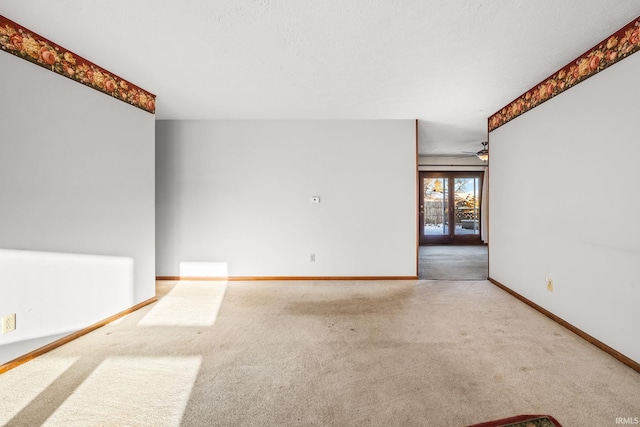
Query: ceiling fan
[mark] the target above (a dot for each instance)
(482, 154)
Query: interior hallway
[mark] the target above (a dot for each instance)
(397, 353)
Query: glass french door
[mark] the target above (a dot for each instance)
(450, 207)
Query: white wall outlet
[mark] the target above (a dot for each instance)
(313, 258)
(549, 283)
(9, 323)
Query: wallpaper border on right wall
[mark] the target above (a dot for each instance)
(620, 45)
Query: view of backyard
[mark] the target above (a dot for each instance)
(466, 206)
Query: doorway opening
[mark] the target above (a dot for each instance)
(451, 246)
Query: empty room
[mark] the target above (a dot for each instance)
(289, 213)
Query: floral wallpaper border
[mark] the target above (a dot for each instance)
(26, 44)
(618, 46)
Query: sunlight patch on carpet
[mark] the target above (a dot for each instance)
(188, 303)
(42, 371)
(150, 391)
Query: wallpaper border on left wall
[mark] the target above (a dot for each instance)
(26, 44)
(616, 47)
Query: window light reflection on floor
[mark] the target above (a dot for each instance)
(188, 303)
(42, 372)
(141, 390)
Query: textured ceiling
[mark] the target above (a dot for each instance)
(448, 63)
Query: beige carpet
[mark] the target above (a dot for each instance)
(453, 262)
(322, 354)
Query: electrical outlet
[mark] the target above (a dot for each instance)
(9, 323)
(549, 284)
(313, 257)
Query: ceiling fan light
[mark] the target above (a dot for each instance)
(483, 154)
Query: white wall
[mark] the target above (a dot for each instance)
(564, 201)
(76, 178)
(238, 192)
